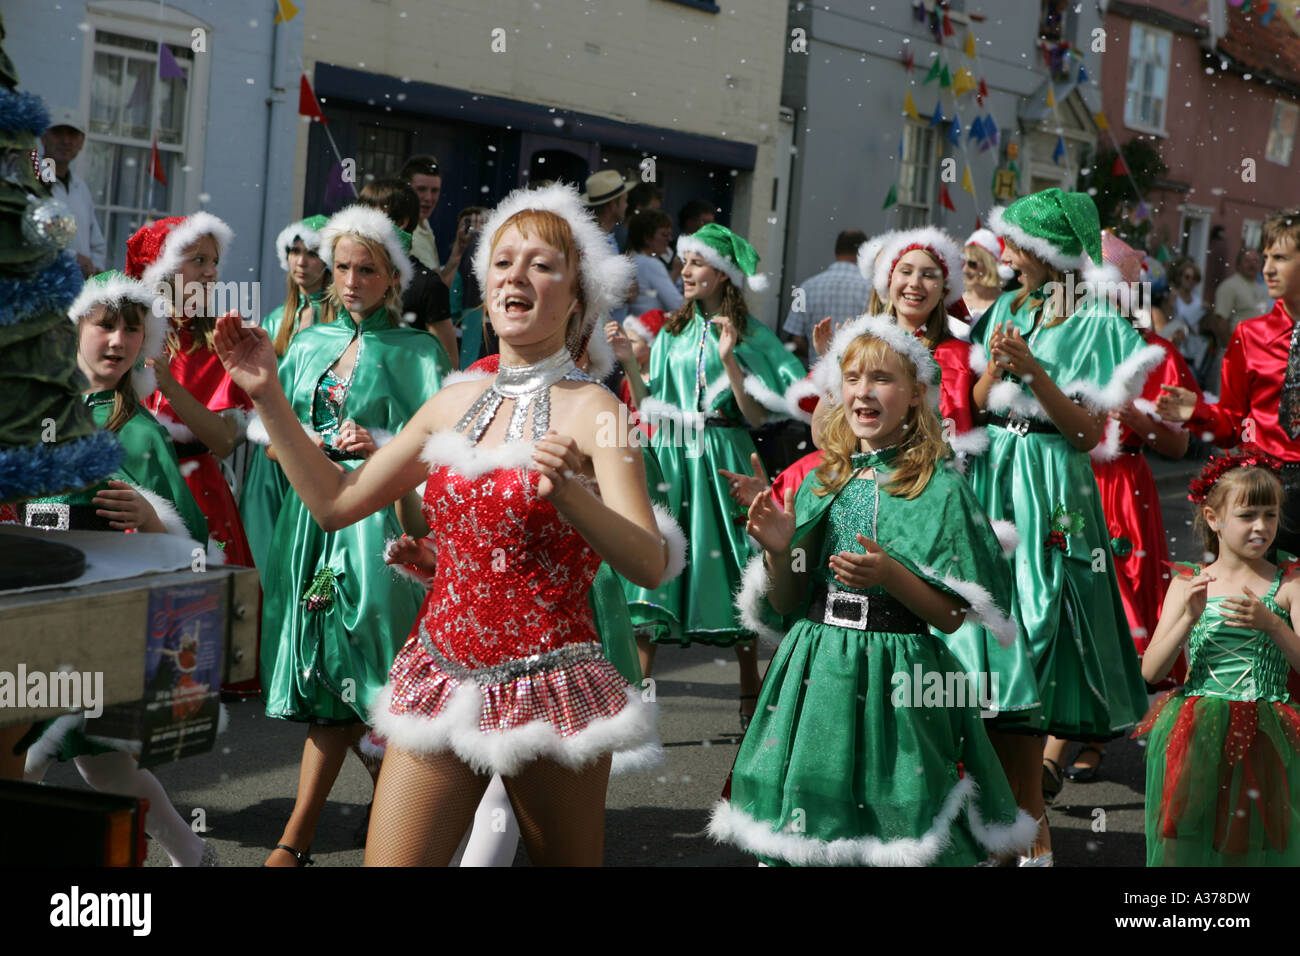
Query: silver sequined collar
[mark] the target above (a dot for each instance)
(530, 388)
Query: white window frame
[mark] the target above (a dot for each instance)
(914, 213)
(140, 18)
(1132, 118)
(1280, 147)
(1251, 233)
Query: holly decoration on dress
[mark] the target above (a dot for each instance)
(1064, 523)
(320, 593)
(1121, 547)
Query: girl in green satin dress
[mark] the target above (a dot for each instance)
(715, 372)
(264, 487)
(867, 747)
(1223, 755)
(334, 616)
(118, 327)
(1050, 371)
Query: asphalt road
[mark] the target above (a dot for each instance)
(244, 789)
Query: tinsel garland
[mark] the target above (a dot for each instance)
(22, 112)
(50, 290)
(320, 593)
(47, 469)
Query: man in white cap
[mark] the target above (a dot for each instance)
(606, 196)
(61, 143)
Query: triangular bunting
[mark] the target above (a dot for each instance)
(908, 56)
(944, 199)
(909, 106)
(1118, 168)
(945, 78)
(982, 92)
(963, 82)
(168, 68)
(1100, 120)
(285, 11)
(967, 183)
(970, 44)
(1051, 98)
(934, 72)
(155, 162)
(976, 128)
(1058, 154)
(937, 117)
(1083, 74)
(307, 103)
(891, 197)
(947, 25)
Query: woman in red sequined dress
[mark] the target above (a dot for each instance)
(530, 485)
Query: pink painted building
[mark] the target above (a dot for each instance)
(1218, 93)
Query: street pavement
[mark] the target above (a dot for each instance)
(243, 790)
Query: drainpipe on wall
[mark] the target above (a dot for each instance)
(275, 119)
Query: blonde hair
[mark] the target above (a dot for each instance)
(392, 296)
(988, 268)
(1025, 294)
(294, 298)
(919, 451)
(1253, 487)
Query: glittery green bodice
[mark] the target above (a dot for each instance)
(1234, 662)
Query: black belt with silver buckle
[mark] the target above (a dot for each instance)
(863, 612)
(57, 516)
(1023, 426)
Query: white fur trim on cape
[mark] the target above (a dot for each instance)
(982, 609)
(1145, 406)
(978, 358)
(973, 442)
(826, 373)
(467, 375)
(687, 244)
(779, 405)
(727, 824)
(1108, 448)
(676, 540)
(181, 237)
(1006, 398)
(165, 510)
(256, 432)
(371, 224)
(655, 412)
(751, 599)
(649, 756)
(381, 436)
(240, 417)
(144, 381)
(937, 241)
(454, 450)
(47, 745)
(295, 230)
(508, 751)
(114, 294)
(179, 432)
(804, 388)
(1007, 536)
(606, 275)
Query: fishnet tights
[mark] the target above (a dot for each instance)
(424, 805)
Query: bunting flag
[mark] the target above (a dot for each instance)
(1083, 74)
(967, 183)
(936, 26)
(1051, 97)
(891, 197)
(909, 106)
(1119, 168)
(1058, 154)
(168, 68)
(307, 102)
(944, 199)
(155, 163)
(963, 82)
(1100, 120)
(991, 130)
(982, 93)
(337, 191)
(970, 44)
(945, 78)
(976, 131)
(947, 25)
(1143, 211)
(937, 117)
(954, 132)
(918, 11)
(285, 11)
(908, 56)
(934, 72)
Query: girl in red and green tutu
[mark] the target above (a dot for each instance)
(1223, 754)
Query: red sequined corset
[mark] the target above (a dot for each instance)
(512, 576)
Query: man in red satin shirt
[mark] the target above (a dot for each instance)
(1259, 407)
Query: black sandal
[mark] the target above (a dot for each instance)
(300, 855)
(1086, 774)
(744, 717)
(1053, 780)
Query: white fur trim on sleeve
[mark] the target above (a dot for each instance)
(381, 436)
(165, 510)
(144, 381)
(179, 432)
(751, 599)
(780, 408)
(1108, 448)
(804, 388)
(240, 418)
(973, 442)
(982, 609)
(676, 541)
(978, 359)
(656, 413)
(600, 356)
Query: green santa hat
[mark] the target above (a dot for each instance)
(727, 252)
(114, 289)
(1060, 228)
(308, 230)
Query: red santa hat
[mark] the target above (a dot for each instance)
(647, 325)
(154, 253)
(992, 243)
(935, 241)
